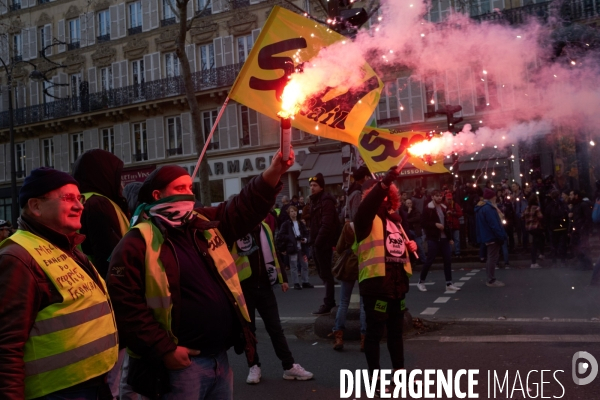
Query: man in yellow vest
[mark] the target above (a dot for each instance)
(104, 221)
(383, 267)
(57, 329)
(178, 300)
(259, 271)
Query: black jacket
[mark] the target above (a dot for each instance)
(288, 236)
(394, 284)
(126, 284)
(323, 220)
(430, 218)
(25, 290)
(556, 215)
(99, 171)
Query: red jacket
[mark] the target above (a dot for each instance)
(453, 214)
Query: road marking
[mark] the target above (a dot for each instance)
(426, 284)
(441, 300)
(471, 273)
(518, 339)
(475, 270)
(429, 311)
(568, 320)
(465, 279)
(459, 284)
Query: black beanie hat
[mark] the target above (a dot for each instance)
(158, 180)
(361, 173)
(41, 181)
(318, 178)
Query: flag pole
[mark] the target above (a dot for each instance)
(209, 138)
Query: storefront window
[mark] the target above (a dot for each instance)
(217, 191)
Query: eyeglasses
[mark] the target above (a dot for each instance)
(312, 179)
(69, 198)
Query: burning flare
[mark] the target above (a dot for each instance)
(291, 99)
(431, 147)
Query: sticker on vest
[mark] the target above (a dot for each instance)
(394, 243)
(246, 245)
(381, 306)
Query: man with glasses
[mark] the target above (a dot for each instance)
(57, 330)
(323, 237)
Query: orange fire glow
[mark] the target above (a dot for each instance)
(431, 147)
(291, 99)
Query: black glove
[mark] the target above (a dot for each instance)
(391, 176)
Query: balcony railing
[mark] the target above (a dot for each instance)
(135, 30)
(389, 121)
(43, 1)
(103, 38)
(15, 6)
(140, 156)
(132, 94)
(168, 21)
(73, 45)
(570, 10)
(175, 152)
(239, 3)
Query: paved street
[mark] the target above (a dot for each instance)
(538, 321)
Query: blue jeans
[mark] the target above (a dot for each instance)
(340, 317)
(456, 239)
(434, 247)
(296, 259)
(208, 377)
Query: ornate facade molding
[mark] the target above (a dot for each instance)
(135, 48)
(167, 40)
(104, 56)
(74, 63)
(43, 66)
(72, 12)
(44, 19)
(101, 5)
(204, 31)
(16, 25)
(242, 22)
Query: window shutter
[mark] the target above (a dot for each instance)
(268, 126)
(124, 75)
(33, 45)
(155, 66)
(160, 137)
(151, 135)
(116, 74)
(404, 100)
(21, 96)
(190, 9)
(467, 93)
(154, 17)
(126, 142)
(122, 20)
(253, 127)
(114, 22)
(228, 131)
(145, 15)
(218, 43)
(94, 139)
(48, 39)
(36, 154)
(91, 29)
(190, 51)
(34, 93)
(7, 158)
(255, 34)
(61, 36)
(186, 133)
(228, 50)
(118, 141)
(148, 68)
(416, 99)
(28, 156)
(93, 88)
(217, 6)
(25, 44)
(83, 26)
(4, 96)
(64, 155)
(56, 141)
(2, 162)
(87, 140)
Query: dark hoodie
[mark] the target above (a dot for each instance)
(99, 171)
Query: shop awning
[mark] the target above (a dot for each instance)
(329, 164)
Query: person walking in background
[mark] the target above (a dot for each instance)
(534, 224)
(519, 202)
(453, 215)
(439, 239)
(294, 236)
(491, 233)
(384, 268)
(355, 191)
(413, 218)
(323, 223)
(581, 228)
(259, 272)
(557, 220)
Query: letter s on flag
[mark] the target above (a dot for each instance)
(263, 77)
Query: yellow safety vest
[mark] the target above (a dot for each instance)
(158, 294)
(242, 263)
(123, 220)
(371, 253)
(73, 341)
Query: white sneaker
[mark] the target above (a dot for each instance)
(541, 257)
(535, 265)
(452, 287)
(496, 283)
(254, 375)
(421, 287)
(298, 373)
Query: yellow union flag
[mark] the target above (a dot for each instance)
(381, 150)
(287, 40)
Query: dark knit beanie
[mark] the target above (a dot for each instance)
(158, 180)
(488, 194)
(361, 173)
(318, 178)
(41, 181)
